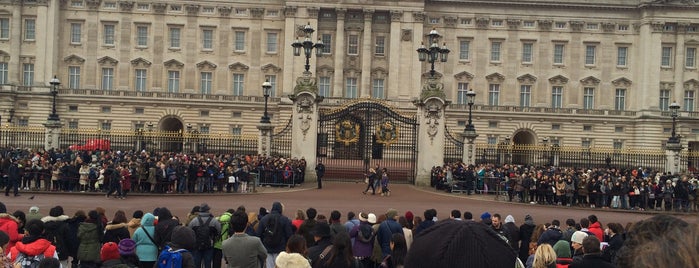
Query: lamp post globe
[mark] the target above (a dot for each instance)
(54, 92)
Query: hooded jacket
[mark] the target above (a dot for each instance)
(89, 249)
(596, 229)
(31, 246)
(165, 227)
(56, 231)
(225, 221)
(8, 224)
(146, 249)
(183, 238)
(285, 225)
(291, 260)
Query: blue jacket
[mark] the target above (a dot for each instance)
(386, 230)
(146, 250)
(285, 224)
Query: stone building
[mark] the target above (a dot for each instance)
(598, 73)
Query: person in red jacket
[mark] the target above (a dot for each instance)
(595, 227)
(33, 244)
(8, 224)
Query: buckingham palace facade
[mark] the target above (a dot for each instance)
(579, 73)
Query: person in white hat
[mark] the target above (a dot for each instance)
(576, 242)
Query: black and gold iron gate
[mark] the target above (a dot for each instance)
(366, 134)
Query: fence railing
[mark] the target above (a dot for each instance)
(23, 137)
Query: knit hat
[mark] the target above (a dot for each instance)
(485, 215)
(529, 220)
(127, 246)
(204, 208)
(110, 251)
(509, 218)
(362, 216)
(34, 209)
(391, 213)
(459, 244)
(371, 218)
(56, 211)
(562, 249)
(409, 216)
(578, 237)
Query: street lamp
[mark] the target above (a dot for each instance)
(12, 115)
(308, 45)
(54, 91)
(266, 88)
(471, 98)
(674, 107)
(434, 52)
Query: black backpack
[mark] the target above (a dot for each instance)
(272, 235)
(204, 234)
(365, 233)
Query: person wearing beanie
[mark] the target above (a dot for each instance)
(593, 255)
(109, 254)
(363, 235)
(56, 229)
(10, 225)
(410, 218)
(183, 238)
(460, 244)
(576, 243)
(34, 214)
(33, 243)
(205, 219)
(144, 237)
(525, 235)
(513, 231)
(241, 249)
(127, 250)
(322, 237)
(386, 229)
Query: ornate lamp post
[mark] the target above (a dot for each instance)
(471, 98)
(266, 88)
(434, 52)
(54, 91)
(308, 45)
(674, 138)
(469, 131)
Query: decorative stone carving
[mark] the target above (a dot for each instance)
(71, 60)
(432, 88)
(304, 107)
(406, 35)
(545, 24)
(608, 27)
(621, 82)
(290, 11)
(173, 64)
(191, 9)
(238, 67)
(558, 80)
(108, 61)
(495, 78)
(419, 16)
(590, 81)
(463, 76)
(379, 73)
(140, 62)
(576, 25)
(450, 21)
(482, 22)
(257, 13)
(206, 65)
(433, 112)
(341, 13)
(93, 4)
(667, 85)
(159, 8)
(657, 26)
(526, 79)
(306, 83)
(126, 5)
(312, 12)
(513, 24)
(270, 68)
(225, 11)
(691, 84)
(396, 15)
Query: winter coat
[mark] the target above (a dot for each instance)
(90, 245)
(8, 224)
(285, 225)
(115, 233)
(596, 230)
(146, 249)
(32, 247)
(133, 224)
(293, 260)
(57, 231)
(226, 231)
(386, 230)
(183, 238)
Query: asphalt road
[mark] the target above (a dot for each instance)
(334, 196)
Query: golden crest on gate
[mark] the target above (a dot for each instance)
(347, 132)
(386, 133)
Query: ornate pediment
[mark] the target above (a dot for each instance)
(4, 56)
(379, 72)
(325, 70)
(74, 60)
(238, 67)
(558, 80)
(352, 72)
(271, 68)
(667, 85)
(464, 76)
(204, 65)
(173, 64)
(140, 62)
(106, 60)
(691, 84)
(495, 78)
(589, 81)
(621, 82)
(526, 79)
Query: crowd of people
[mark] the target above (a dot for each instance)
(117, 172)
(237, 237)
(630, 189)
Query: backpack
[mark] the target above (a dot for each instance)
(272, 235)
(169, 258)
(365, 233)
(204, 234)
(26, 261)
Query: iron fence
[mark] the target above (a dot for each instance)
(22, 137)
(281, 141)
(453, 148)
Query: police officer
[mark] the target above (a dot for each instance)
(12, 178)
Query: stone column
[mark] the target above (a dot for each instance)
(265, 140)
(305, 128)
(394, 51)
(672, 152)
(469, 153)
(52, 134)
(430, 112)
(339, 54)
(367, 51)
